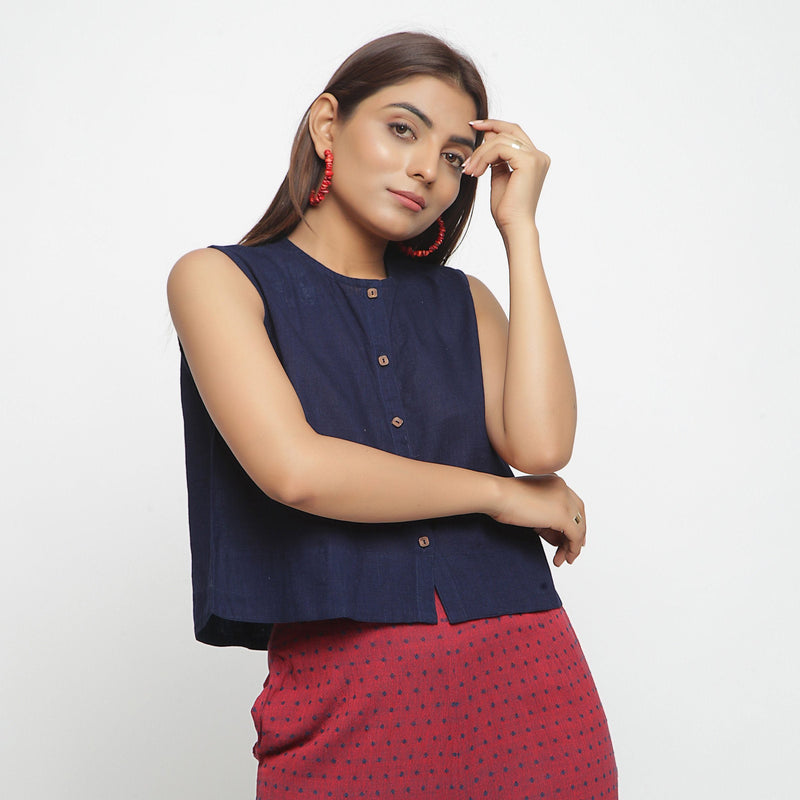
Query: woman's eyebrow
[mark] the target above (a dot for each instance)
(426, 120)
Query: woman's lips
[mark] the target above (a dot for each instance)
(410, 200)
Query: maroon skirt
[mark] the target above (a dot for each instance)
(503, 707)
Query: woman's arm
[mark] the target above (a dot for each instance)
(531, 411)
(531, 407)
(219, 317)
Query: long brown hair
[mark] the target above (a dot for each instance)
(382, 62)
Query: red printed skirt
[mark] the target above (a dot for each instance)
(503, 707)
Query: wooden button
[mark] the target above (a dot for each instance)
(424, 541)
(397, 422)
(372, 292)
(383, 360)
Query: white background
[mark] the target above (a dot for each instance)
(134, 132)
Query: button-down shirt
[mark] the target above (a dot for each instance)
(391, 363)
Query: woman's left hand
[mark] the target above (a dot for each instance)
(518, 171)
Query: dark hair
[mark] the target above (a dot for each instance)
(382, 62)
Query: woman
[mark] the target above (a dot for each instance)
(352, 410)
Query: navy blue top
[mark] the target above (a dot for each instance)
(390, 363)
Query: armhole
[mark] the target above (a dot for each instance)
(232, 252)
(243, 266)
(464, 280)
(472, 316)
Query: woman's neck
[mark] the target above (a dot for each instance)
(334, 241)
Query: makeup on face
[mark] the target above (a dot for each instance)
(409, 199)
(426, 120)
(399, 156)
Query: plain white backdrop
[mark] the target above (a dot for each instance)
(134, 132)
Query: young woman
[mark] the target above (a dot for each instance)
(353, 408)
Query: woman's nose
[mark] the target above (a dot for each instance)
(424, 164)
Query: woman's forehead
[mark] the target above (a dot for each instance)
(434, 96)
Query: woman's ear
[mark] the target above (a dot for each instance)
(321, 118)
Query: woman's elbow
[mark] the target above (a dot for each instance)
(542, 462)
(291, 490)
(291, 481)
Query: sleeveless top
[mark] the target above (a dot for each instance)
(391, 363)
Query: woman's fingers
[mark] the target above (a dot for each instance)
(501, 144)
(571, 539)
(518, 170)
(501, 126)
(574, 547)
(501, 149)
(504, 149)
(568, 547)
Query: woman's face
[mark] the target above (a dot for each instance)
(397, 159)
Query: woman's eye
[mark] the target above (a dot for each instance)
(402, 130)
(456, 159)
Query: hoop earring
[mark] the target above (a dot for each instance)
(315, 198)
(410, 251)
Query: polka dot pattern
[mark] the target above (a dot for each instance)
(503, 707)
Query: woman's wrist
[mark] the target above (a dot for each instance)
(496, 493)
(523, 233)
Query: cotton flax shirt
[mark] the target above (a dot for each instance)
(391, 363)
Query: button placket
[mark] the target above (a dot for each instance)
(387, 378)
(378, 315)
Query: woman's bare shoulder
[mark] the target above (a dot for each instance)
(201, 262)
(219, 318)
(208, 272)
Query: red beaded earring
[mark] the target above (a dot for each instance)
(409, 251)
(315, 198)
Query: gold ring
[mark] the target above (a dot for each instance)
(577, 519)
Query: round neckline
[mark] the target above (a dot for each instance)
(337, 276)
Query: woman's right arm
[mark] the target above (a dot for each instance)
(219, 317)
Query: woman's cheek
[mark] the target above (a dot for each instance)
(456, 181)
(384, 154)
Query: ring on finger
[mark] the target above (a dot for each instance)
(577, 518)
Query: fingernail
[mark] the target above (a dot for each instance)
(475, 121)
(465, 164)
